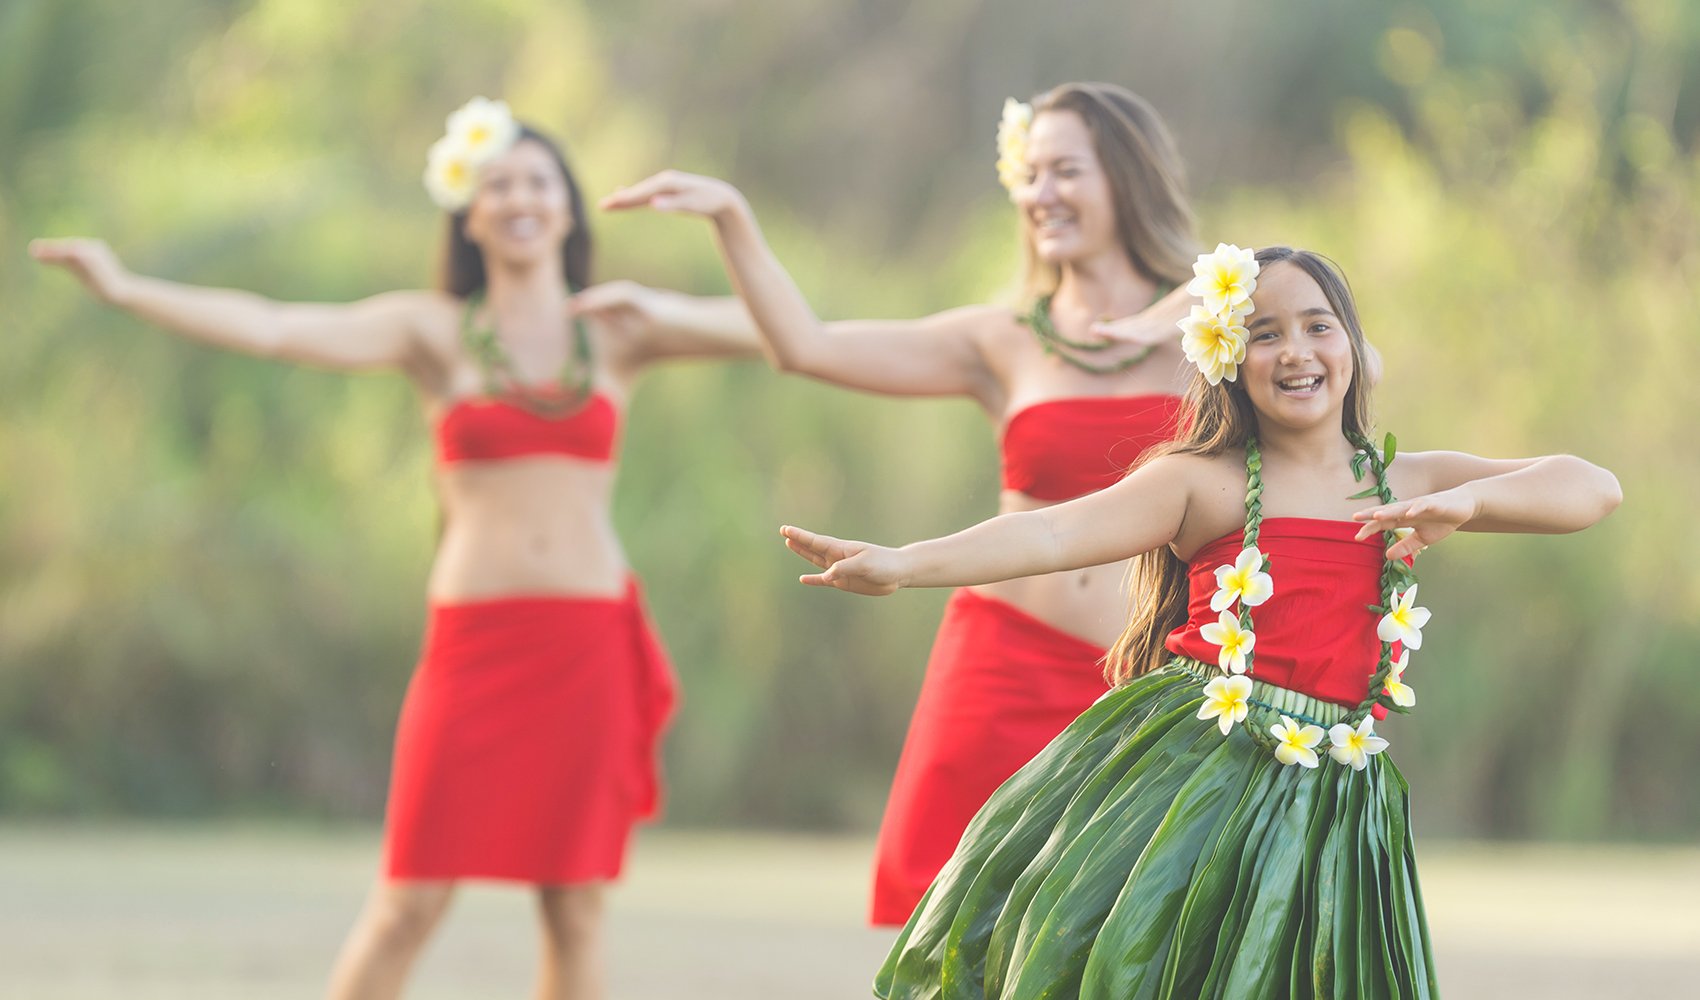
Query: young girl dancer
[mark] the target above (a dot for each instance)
(1223, 823)
(527, 746)
(1096, 182)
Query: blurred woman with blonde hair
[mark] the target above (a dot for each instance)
(1096, 181)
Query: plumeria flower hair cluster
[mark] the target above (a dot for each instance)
(1012, 144)
(477, 133)
(1214, 334)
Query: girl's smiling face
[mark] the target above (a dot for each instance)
(1298, 364)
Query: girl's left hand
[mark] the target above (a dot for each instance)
(1430, 517)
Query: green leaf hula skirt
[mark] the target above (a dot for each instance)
(1143, 854)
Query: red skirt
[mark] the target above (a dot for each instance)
(1000, 685)
(528, 743)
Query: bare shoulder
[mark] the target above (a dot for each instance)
(1215, 491)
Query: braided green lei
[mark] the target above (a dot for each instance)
(1396, 576)
(500, 379)
(1058, 346)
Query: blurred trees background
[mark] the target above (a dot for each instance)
(211, 568)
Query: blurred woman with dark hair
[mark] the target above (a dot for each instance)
(527, 746)
(1107, 231)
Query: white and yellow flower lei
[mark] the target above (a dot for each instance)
(477, 132)
(1246, 583)
(1225, 280)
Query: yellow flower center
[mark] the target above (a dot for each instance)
(477, 135)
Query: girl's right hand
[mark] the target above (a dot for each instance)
(676, 191)
(857, 567)
(90, 261)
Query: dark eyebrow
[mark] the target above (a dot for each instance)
(1312, 311)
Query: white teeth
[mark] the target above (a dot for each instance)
(1301, 384)
(1054, 223)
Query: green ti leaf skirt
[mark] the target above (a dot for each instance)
(1143, 854)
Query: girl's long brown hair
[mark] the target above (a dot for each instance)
(461, 270)
(1217, 419)
(1154, 222)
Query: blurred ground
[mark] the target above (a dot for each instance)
(257, 912)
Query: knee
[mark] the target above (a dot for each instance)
(404, 917)
(572, 915)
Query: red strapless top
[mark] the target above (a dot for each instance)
(1316, 635)
(1064, 448)
(486, 430)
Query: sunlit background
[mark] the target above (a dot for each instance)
(212, 568)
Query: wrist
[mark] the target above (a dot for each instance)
(736, 215)
(120, 290)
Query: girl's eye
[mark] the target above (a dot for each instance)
(1319, 328)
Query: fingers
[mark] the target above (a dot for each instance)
(1384, 518)
(822, 550)
(603, 297)
(51, 251)
(643, 193)
(1406, 547)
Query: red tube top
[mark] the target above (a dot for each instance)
(1060, 449)
(486, 430)
(1316, 635)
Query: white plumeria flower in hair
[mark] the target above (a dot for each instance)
(1012, 144)
(1244, 581)
(450, 176)
(1225, 279)
(1215, 342)
(1354, 747)
(1404, 623)
(1236, 642)
(1296, 744)
(485, 128)
(1401, 693)
(1225, 701)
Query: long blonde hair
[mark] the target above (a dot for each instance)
(1154, 222)
(1218, 419)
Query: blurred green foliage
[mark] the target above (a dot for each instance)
(211, 568)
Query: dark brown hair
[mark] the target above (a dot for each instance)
(1218, 419)
(461, 271)
(1154, 222)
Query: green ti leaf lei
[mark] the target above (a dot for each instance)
(1396, 576)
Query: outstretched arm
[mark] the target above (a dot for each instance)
(653, 324)
(936, 356)
(1137, 514)
(379, 332)
(1551, 495)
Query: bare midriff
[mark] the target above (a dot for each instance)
(526, 527)
(1089, 603)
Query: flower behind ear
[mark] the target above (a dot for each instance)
(1012, 144)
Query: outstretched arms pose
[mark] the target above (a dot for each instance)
(384, 331)
(409, 331)
(1181, 501)
(941, 355)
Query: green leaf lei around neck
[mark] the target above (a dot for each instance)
(1396, 576)
(1058, 346)
(502, 381)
